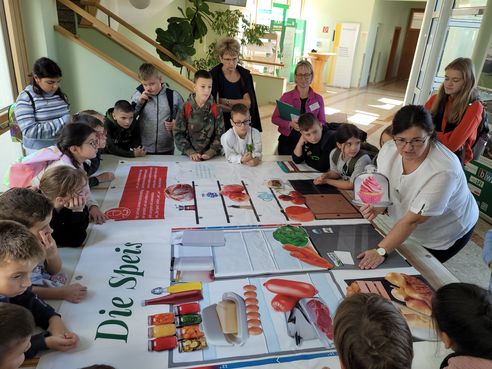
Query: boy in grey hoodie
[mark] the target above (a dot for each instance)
(156, 107)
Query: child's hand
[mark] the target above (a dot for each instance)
(294, 125)
(74, 292)
(319, 180)
(253, 162)
(76, 203)
(49, 244)
(144, 97)
(63, 342)
(169, 124)
(105, 177)
(139, 151)
(205, 157)
(246, 158)
(195, 156)
(96, 215)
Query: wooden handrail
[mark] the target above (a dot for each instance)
(142, 35)
(129, 45)
(255, 61)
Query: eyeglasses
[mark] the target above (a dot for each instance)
(243, 123)
(414, 142)
(92, 143)
(306, 75)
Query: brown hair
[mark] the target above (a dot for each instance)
(306, 121)
(18, 243)
(147, 71)
(370, 333)
(62, 181)
(16, 324)
(387, 131)
(239, 108)
(25, 206)
(467, 94)
(306, 64)
(228, 45)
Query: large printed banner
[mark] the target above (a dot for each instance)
(143, 196)
(125, 263)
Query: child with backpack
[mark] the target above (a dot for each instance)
(457, 112)
(41, 110)
(156, 107)
(347, 160)
(77, 144)
(199, 124)
(92, 166)
(462, 314)
(315, 144)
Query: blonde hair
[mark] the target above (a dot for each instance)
(62, 181)
(18, 243)
(228, 45)
(467, 94)
(306, 64)
(147, 71)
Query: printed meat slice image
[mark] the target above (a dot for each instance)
(323, 320)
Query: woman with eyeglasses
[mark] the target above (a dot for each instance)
(303, 98)
(431, 200)
(456, 109)
(233, 84)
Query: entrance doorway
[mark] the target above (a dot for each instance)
(410, 43)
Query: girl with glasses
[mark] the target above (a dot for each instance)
(303, 98)
(456, 109)
(77, 144)
(431, 200)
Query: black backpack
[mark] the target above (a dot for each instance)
(483, 134)
(169, 96)
(365, 149)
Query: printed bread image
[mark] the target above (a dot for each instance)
(412, 291)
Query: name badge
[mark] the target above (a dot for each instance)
(314, 106)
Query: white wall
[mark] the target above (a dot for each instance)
(388, 14)
(321, 13)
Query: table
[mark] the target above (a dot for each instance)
(122, 261)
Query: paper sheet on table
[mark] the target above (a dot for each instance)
(345, 257)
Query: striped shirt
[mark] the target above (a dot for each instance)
(40, 126)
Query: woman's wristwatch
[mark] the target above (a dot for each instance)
(382, 252)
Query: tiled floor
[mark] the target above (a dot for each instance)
(372, 109)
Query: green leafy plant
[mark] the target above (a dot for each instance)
(230, 23)
(181, 32)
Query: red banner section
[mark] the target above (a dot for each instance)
(143, 196)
